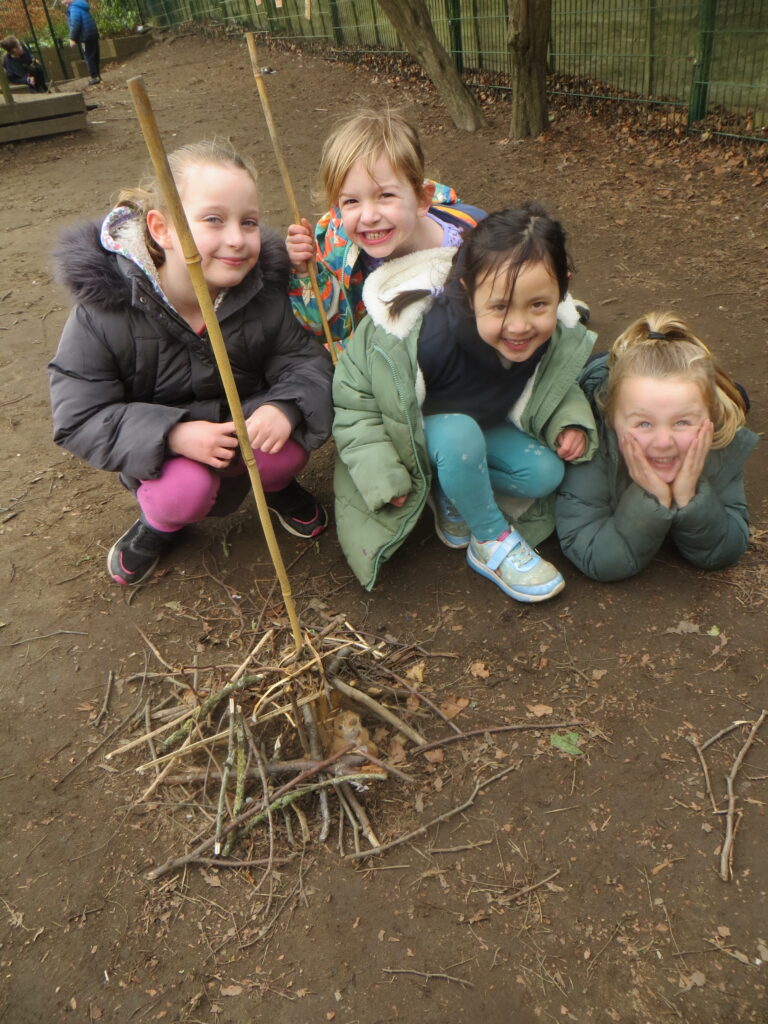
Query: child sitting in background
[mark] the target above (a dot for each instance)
(134, 384)
(20, 66)
(470, 390)
(372, 177)
(672, 450)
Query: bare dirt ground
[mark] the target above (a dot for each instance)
(577, 888)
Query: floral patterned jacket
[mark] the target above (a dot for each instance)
(341, 272)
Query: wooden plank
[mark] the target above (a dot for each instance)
(31, 107)
(36, 129)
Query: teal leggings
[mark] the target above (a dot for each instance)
(471, 463)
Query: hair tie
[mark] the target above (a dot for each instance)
(657, 336)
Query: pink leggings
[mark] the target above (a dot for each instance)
(187, 491)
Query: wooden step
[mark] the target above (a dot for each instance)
(33, 115)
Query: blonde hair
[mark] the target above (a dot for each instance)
(366, 136)
(148, 195)
(661, 345)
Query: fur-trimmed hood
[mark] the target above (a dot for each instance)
(103, 279)
(419, 271)
(423, 271)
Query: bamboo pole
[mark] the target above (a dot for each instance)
(288, 186)
(154, 143)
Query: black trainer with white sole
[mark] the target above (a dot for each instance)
(133, 557)
(298, 512)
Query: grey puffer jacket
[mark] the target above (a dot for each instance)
(128, 367)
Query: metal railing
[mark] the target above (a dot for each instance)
(685, 65)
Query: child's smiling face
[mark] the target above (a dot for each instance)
(517, 327)
(381, 212)
(221, 205)
(664, 416)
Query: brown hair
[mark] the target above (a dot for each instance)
(662, 345)
(148, 195)
(366, 136)
(9, 43)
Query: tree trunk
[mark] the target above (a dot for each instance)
(412, 23)
(528, 39)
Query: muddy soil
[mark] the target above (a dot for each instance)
(577, 888)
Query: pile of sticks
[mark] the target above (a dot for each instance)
(256, 751)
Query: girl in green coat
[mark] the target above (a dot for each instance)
(459, 388)
(672, 452)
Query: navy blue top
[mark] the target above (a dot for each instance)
(462, 373)
(18, 68)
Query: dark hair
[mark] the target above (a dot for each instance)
(504, 242)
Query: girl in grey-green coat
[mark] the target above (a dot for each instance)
(459, 389)
(671, 458)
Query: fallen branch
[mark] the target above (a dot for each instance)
(105, 703)
(723, 732)
(492, 729)
(47, 636)
(162, 775)
(707, 780)
(435, 821)
(246, 815)
(208, 705)
(359, 812)
(419, 696)
(91, 753)
(428, 975)
(376, 708)
(535, 885)
(731, 822)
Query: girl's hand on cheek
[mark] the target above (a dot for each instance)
(268, 429)
(213, 444)
(300, 244)
(643, 475)
(571, 444)
(685, 483)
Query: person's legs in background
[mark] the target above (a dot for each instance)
(93, 59)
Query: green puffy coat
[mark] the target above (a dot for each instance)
(611, 528)
(378, 426)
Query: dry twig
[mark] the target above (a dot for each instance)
(441, 817)
(527, 726)
(429, 975)
(731, 823)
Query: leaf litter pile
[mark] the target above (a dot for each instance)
(289, 748)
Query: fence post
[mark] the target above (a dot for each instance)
(338, 35)
(453, 10)
(702, 66)
(649, 83)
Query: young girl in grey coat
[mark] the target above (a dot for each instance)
(134, 383)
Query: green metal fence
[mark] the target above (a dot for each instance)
(700, 65)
